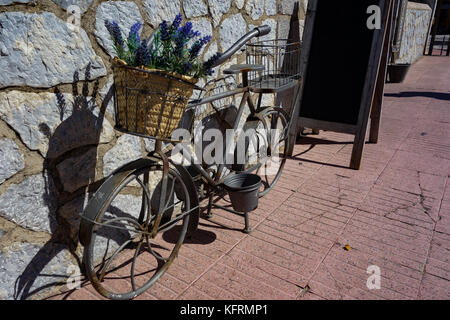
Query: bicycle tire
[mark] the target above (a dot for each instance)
(98, 266)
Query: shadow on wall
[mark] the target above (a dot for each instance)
(77, 135)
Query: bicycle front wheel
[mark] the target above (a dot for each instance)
(123, 257)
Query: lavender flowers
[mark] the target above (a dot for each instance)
(209, 65)
(175, 48)
(142, 57)
(116, 35)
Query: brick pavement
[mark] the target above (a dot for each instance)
(394, 213)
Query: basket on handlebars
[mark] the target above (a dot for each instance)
(149, 102)
(281, 60)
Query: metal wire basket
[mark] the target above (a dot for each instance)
(281, 59)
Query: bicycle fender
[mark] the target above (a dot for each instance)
(194, 217)
(97, 202)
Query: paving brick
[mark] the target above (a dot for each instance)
(309, 210)
(172, 283)
(278, 255)
(185, 270)
(221, 229)
(357, 277)
(92, 291)
(302, 215)
(145, 296)
(409, 216)
(236, 276)
(389, 268)
(394, 213)
(391, 224)
(265, 272)
(389, 238)
(398, 255)
(332, 290)
(197, 251)
(212, 290)
(344, 284)
(421, 162)
(306, 226)
(289, 244)
(440, 247)
(194, 294)
(80, 294)
(301, 198)
(309, 242)
(443, 225)
(231, 284)
(311, 296)
(363, 219)
(336, 196)
(438, 268)
(434, 288)
(318, 238)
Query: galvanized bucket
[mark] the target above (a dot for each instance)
(243, 190)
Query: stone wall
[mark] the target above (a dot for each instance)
(415, 32)
(57, 140)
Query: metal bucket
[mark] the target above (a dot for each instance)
(243, 190)
(397, 72)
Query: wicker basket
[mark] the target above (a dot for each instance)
(150, 102)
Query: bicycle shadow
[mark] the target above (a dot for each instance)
(77, 135)
(201, 236)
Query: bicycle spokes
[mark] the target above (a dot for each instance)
(125, 257)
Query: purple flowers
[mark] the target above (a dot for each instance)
(171, 48)
(164, 31)
(176, 23)
(198, 45)
(133, 36)
(182, 37)
(187, 66)
(175, 48)
(142, 57)
(116, 35)
(209, 65)
(133, 40)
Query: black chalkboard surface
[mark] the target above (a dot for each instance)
(343, 66)
(338, 61)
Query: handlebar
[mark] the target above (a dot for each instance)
(257, 32)
(263, 30)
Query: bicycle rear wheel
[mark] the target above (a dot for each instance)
(266, 146)
(122, 257)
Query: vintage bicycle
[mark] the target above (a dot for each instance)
(134, 225)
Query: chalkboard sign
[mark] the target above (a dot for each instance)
(338, 61)
(340, 66)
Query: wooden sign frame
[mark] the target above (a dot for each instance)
(372, 92)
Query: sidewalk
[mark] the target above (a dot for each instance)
(394, 214)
